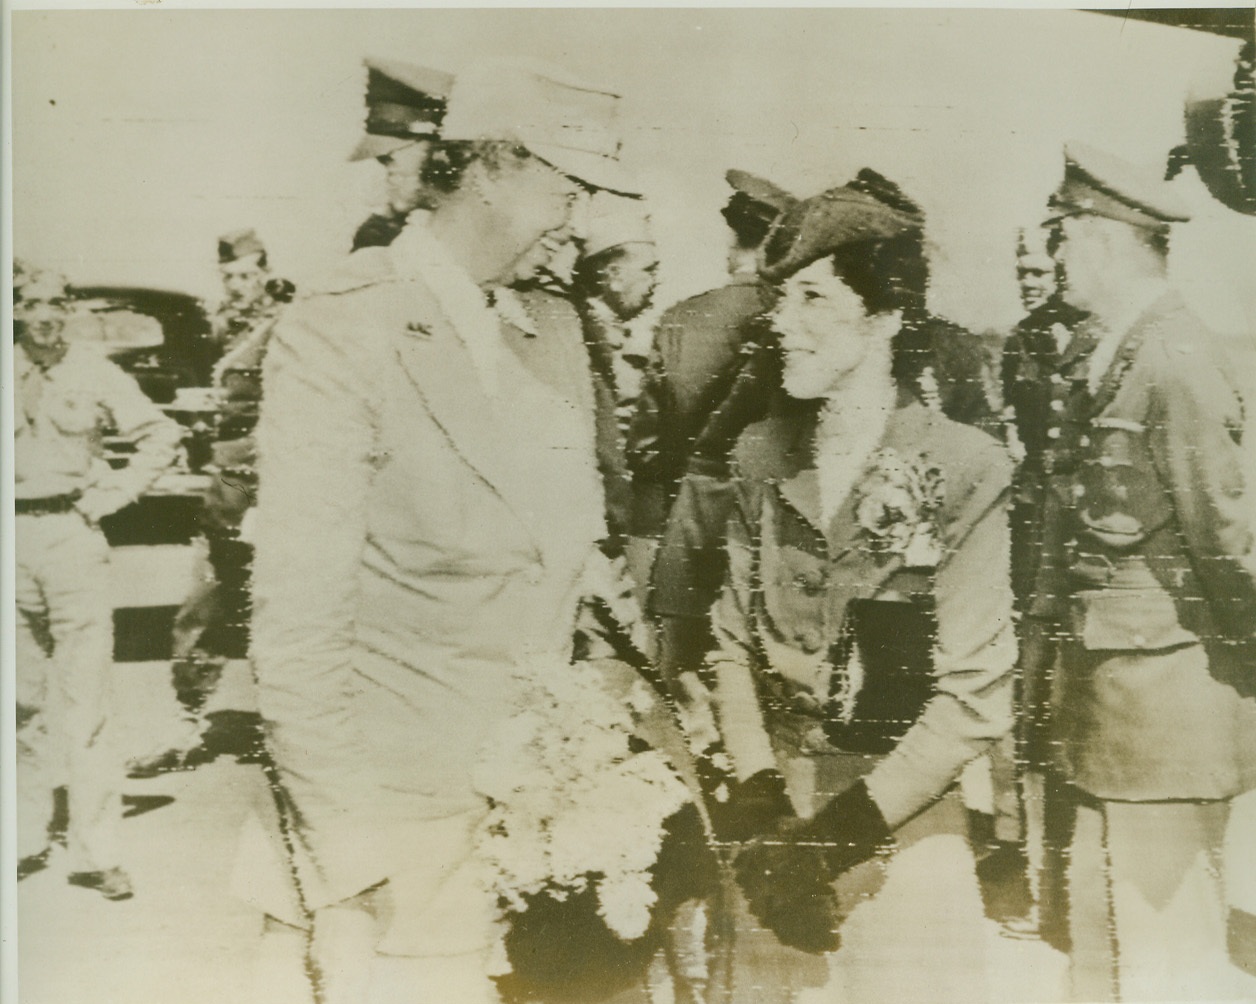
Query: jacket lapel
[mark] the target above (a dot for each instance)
(858, 571)
(439, 365)
(1113, 377)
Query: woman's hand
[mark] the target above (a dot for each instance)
(788, 877)
(752, 808)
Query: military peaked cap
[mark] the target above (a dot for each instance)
(1097, 183)
(403, 103)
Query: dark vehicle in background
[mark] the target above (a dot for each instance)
(159, 336)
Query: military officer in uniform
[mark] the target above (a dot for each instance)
(214, 617)
(429, 517)
(1148, 576)
(66, 396)
(1040, 358)
(404, 108)
(1034, 355)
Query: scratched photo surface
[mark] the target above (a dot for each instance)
(645, 506)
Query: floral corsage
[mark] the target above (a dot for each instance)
(897, 506)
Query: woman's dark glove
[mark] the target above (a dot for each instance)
(788, 878)
(753, 807)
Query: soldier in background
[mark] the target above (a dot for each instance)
(699, 346)
(404, 108)
(1023, 880)
(66, 395)
(613, 283)
(246, 286)
(712, 370)
(1148, 576)
(213, 620)
(1036, 357)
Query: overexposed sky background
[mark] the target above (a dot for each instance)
(139, 136)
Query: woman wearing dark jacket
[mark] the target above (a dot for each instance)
(941, 362)
(865, 644)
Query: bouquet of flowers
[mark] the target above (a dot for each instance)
(897, 504)
(579, 805)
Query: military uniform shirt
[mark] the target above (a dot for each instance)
(61, 415)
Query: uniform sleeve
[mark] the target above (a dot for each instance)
(1195, 434)
(135, 418)
(973, 664)
(741, 722)
(646, 447)
(315, 436)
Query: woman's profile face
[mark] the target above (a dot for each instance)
(825, 331)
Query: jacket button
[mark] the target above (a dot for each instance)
(1053, 432)
(1140, 641)
(810, 641)
(811, 584)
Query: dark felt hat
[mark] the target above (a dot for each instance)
(869, 208)
(755, 205)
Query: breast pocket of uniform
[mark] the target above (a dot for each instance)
(794, 586)
(1120, 619)
(74, 411)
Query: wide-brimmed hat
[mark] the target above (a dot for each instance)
(565, 122)
(404, 103)
(870, 208)
(1097, 183)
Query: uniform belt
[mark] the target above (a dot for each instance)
(51, 505)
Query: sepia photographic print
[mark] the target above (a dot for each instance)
(629, 506)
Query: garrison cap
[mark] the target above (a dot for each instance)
(239, 244)
(404, 103)
(568, 124)
(755, 205)
(869, 208)
(1097, 183)
(614, 220)
(33, 282)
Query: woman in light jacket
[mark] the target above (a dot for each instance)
(865, 629)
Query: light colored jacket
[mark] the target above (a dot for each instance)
(418, 538)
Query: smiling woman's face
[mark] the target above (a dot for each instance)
(825, 330)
